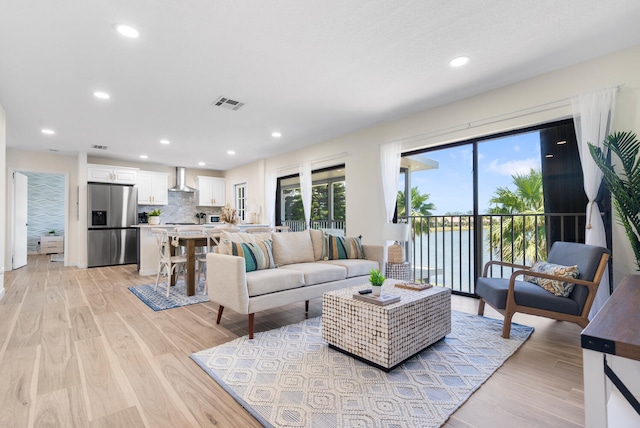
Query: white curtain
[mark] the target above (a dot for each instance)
(592, 116)
(305, 187)
(270, 188)
(390, 170)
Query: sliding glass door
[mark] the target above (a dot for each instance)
(503, 197)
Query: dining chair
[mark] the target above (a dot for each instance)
(201, 254)
(166, 262)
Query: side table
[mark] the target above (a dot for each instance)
(399, 271)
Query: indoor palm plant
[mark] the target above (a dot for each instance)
(376, 279)
(625, 186)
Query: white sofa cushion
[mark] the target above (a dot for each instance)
(317, 240)
(273, 280)
(292, 247)
(355, 267)
(317, 273)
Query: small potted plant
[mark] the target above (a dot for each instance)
(52, 232)
(376, 279)
(154, 216)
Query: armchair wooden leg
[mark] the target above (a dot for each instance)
(481, 306)
(506, 328)
(306, 306)
(251, 316)
(220, 309)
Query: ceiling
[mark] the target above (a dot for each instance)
(311, 70)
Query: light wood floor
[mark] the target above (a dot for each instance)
(78, 349)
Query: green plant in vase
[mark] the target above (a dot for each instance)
(154, 216)
(376, 279)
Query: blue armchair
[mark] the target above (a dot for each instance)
(508, 295)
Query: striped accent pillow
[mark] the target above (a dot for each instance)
(340, 247)
(257, 255)
(559, 288)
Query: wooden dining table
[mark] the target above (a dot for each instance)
(190, 242)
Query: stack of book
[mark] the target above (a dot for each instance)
(381, 300)
(416, 286)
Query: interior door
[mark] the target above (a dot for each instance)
(20, 224)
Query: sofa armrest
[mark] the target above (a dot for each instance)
(227, 282)
(375, 253)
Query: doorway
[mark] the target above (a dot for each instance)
(44, 215)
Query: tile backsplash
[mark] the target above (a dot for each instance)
(181, 209)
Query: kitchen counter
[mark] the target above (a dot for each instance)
(240, 226)
(148, 253)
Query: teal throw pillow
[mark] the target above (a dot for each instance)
(257, 255)
(340, 247)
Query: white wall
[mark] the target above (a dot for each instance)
(542, 99)
(3, 199)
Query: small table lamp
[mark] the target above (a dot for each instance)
(397, 232)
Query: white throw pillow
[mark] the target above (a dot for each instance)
(292, 247)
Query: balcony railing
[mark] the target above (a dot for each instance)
(300, 225)
(442, 249)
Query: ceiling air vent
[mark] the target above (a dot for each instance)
(227, 103)
(99, 147)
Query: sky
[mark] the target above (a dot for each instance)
(451, 185)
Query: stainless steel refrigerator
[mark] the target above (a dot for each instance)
(113, 210)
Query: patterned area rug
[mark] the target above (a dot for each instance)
(159, 301)
(289, 377)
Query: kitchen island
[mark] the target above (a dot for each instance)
(148, 258)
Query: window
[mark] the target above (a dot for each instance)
(240, 191)
(327, 200)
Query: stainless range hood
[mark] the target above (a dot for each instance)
(180, 180)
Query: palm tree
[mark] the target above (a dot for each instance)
(519, 237)
(420, 208)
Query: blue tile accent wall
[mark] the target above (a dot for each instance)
(181, 208)
(45, 201)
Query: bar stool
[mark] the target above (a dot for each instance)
(167, 263)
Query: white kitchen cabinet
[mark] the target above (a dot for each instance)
(211, 191)
(153, 188)
(111, 174)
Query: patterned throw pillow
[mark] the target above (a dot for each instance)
(339, 247)
(559, 288)
(257, 255)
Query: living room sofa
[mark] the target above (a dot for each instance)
(299, 271)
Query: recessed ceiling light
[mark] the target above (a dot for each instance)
(144, 157)
(127, 31)
(231, 152)
(276, 134)
(201, 163)
(165, 142)
(561, 143)
(48, 131)
(549, 155)
(459, 61)
(101, 95)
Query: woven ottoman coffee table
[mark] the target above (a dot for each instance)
(385, 336)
